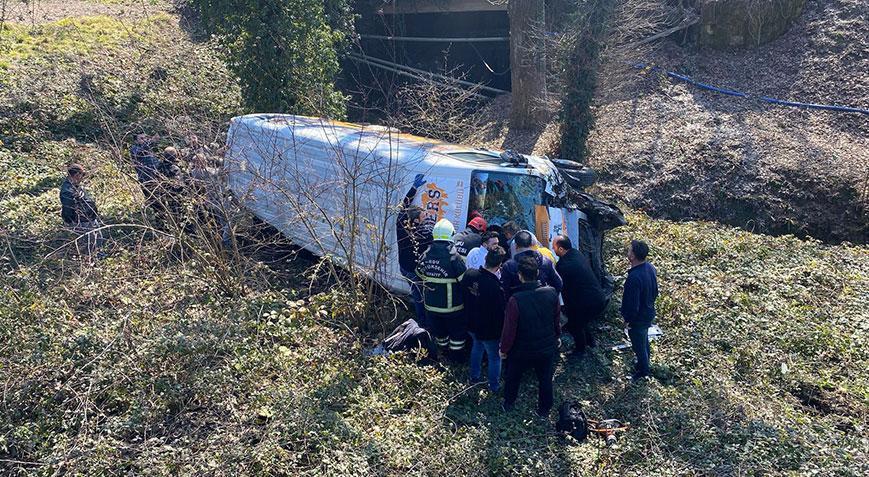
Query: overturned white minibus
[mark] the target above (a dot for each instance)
(335, 189)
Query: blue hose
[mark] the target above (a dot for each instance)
(705, 86)
(740, 94)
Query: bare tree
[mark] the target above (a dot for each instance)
(446, 111)
(527, 61)
(635, 32)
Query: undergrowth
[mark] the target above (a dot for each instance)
(141, 364)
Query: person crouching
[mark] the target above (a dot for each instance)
(79, 210)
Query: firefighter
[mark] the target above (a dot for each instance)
(471, 237)
(441, 269)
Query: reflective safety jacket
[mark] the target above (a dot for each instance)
(467, 240)
(441, 269)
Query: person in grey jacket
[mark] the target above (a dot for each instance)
(510, 271)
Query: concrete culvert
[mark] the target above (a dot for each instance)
(745, 23)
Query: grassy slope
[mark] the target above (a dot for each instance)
(141, 365)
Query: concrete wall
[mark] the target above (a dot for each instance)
(745, 23)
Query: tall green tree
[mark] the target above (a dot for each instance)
(284, 52)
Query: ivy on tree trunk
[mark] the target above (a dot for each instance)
(593, 18)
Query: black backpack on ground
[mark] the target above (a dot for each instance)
(409, 335)
(572, 421)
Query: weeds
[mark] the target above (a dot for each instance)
(143, 364)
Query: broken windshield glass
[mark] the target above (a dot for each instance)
(503, 196)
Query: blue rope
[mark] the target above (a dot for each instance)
(740, 94)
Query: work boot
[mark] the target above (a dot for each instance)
(639, 378)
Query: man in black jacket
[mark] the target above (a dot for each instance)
(169, 175)
(484, 307)
(145, 162)
(163, 192)
(529, 339)
(413, 235)
(509, 230)
(584, 299)
(638, 305)
(441, 270)
(510, 271)
(79, 210)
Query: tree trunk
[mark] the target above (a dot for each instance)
(527, 61)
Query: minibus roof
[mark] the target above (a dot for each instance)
(381, 138)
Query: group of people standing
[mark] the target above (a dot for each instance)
(504, 290)
(165, 184)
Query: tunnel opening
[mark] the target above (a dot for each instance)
(395, 48)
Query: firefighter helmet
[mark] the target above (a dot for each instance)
(443, 230)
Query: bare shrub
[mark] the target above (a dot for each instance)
(444, 110)
(635, 31)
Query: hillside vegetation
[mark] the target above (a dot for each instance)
(142, 364)
(679, 152)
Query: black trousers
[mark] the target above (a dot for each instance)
(543, 366)
(639, 335)
(579, 325)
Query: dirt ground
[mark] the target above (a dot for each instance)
(679, 152)
(495, 132)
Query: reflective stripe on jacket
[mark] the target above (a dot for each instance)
(441, 269)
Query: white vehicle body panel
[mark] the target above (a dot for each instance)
(305, 176)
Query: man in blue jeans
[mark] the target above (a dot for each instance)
(638, 305)
(530, 337)
(484, 308)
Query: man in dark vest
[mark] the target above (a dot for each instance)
(530, 336)
(584, 299)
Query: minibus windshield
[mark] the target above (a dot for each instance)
(504, 196)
